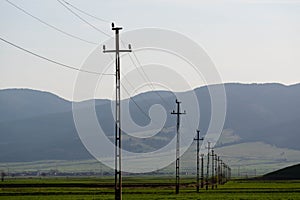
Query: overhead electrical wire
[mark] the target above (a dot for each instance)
(148, 79)
(143, 76)
(129, 83)
(145, 100)
(63, 2)
(137, 105)
(49, 25)
(66, 4)
(50, 60)
(86, 13)
(82, 19)
(73, 68)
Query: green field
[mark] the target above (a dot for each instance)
(143, 188)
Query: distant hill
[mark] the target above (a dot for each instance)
(265, 112)
(18, 104)
(37, 125)
(288, 173)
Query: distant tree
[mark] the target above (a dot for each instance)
(2, 176)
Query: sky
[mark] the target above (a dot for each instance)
(249, 41)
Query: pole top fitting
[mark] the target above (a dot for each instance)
(177, 101)
(115, 28)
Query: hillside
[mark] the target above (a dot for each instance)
(288, 173)
(16, 104)
(37, 125)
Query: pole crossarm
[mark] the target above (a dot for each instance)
(114, 51)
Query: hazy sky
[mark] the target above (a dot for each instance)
(249, 41)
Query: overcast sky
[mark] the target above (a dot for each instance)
(249, 41)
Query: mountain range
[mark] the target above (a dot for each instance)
(36, 125)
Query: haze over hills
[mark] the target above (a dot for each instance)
(37, 125)
(24, 103)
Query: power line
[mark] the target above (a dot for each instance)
(50, 60)
(148, 79)
(81, 39)
(82, 19)
(99, 30)
(143, 76)
(70, 35)
(49, 25)
(137, 105)
(144, 99)
(73, 68)
(86, 13)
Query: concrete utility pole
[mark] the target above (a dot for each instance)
(118, 130)
(2, 175)
(198, 149)
(224, 173)
(216, 171)
(219, 170)
(212, 168)
(202, 170)
(207, 166)
(178, 113)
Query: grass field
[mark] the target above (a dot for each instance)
(143, 188)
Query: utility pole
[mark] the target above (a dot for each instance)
(221, 172)
(178, 113)
(216, 171)
(224, 173)
(202, 170)
(198, 149)
(207, 166)
(118, 130)
(212, 168)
